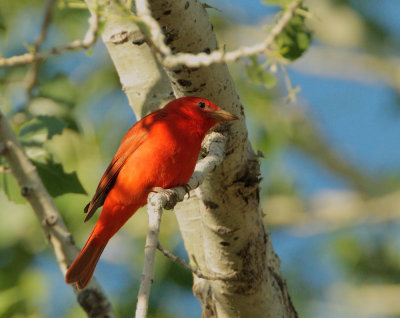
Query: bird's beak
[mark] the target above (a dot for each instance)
(221, 115)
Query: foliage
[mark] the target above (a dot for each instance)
(295, 38)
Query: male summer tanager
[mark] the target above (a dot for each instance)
(159, 151)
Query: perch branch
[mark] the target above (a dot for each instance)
(171, 60)
(28, 58)
(215, 144)
(92, 299)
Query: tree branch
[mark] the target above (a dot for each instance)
(155, 203)
(215, 143)
(92, 299)
(28, 58)
(170, 60)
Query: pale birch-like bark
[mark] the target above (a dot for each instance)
(142, 79)
(222, 226)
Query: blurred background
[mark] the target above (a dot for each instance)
(331, 179)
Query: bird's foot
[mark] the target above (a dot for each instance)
(187, 189)
(171, 196)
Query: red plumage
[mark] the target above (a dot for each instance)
(160, 150)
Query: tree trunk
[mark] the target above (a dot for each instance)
(222, 224)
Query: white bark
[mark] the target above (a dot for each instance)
(142, 79)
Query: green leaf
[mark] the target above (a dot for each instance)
(258, 75)
(51, 125)
(11, 188)
(295, 38)
(56, 180)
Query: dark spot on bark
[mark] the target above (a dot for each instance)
(170, 34)
(187, 5)
(195, 20)
(177, 71)
(224, 87)
(167, 12)
(225, 243)
(229, 152)
(184, 82)
(236, 238)
(203, 84)
(207, 50)
(138, 41)
(210, 204)
(241, 110)
(212, 27)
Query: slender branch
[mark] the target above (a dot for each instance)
(47, 17)
(154, 209)
(215, 144)
(92, 299)
(194, 271)
(170, 60)
(28, 58)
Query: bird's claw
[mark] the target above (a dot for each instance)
(187, 189)
(170, 194)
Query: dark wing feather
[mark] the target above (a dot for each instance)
(132, 140)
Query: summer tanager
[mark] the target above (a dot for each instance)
(159, 151)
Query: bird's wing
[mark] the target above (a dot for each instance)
(129, 144)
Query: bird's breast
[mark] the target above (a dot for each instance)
(164, 160)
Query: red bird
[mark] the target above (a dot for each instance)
(160, 150)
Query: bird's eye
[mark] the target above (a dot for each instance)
(201, 104)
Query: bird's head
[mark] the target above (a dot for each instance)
(200, 110)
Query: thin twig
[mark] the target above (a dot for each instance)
(47, 17)
(194, 271)
(215, 144)
(28, 58)
(92, 299)
(218, 56)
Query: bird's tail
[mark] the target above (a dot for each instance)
(81, 270)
